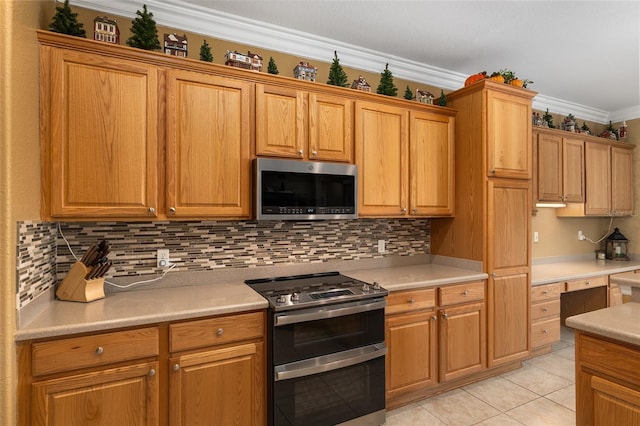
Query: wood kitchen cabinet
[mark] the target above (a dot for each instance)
(99, 129)
(607, 377)
(299, 124)
(560, 168)
(218, 371)
(105, 379)
(405, 161)
(545, 316)
(208, 145)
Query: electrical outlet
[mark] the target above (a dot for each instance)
(381, 246)
(162, 258)
(581, 236)
(536, 237)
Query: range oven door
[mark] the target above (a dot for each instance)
(329, 364)
(343, 388)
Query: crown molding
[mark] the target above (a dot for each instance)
(209, 22)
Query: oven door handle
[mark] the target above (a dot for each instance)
(330, 362)
(325, 312)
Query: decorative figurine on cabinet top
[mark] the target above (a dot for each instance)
(175, 45)
(361, 84)
(305, 71)
(106, 29)
(424, 97)
(250, 61)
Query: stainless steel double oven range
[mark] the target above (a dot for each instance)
(326, 358)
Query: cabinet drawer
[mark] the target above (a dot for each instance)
(216, 331)
(462, 293)
(547, 291)
(91, 351)
(550, 308)
(410, 300)
(545, 332)
(586, 283)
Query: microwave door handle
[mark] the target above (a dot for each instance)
(329, 362)
(325, 313)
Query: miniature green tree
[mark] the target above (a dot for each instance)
(442, 101)
(337, 76)
(408, 94)
(66, 22)
(144, 31)
(386, 86)
(549, 119)
(205, 52)
(272, 68)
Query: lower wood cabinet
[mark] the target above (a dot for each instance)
(545, 315)
(607, 377)
(431, 342)
(210, 371)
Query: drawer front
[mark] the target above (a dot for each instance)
(586, 283)
(216, 331)
(545, 332)
(462, 293)
(547, 291)
(550, 308)
(90, 351)
(410, 300)
(614, 359)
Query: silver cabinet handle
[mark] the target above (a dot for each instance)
(445, 315)
(411, 300)
(99, 350)
(465, 293)
(220, 331)
(435, 318)
(176, 367)
(300, 152)
(152, 372)
(404, 210)
(152, 210)
(172, 210)
(314, 153)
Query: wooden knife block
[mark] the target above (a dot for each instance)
(75, 288)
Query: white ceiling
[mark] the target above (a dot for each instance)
(583, 56)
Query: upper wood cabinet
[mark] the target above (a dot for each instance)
(208, 140)
(99, 124)
(405, 161)
(560, 168)
(299, 124)
(621, 181)
(508, 133)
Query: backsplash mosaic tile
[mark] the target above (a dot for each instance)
(35, 260)
(210, 245)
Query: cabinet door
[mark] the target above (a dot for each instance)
(597, 179)
(218, 387)
(621, 181)
(119, 396)
(103, 137)
(462, 341)
(431, 164)
(281, 121)
(381, 144)
(411, 352)
(208, 146)
(549, 159)
(330, 128)
(508, 136)
(573, 170)
(614, 404)
(509, 318)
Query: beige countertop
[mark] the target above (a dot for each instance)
(621, 322)
(574, 269)
(141, 307)
(414, 276)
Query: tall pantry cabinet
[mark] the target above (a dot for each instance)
(493, 205)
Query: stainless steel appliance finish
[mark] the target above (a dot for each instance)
(326, 350)
(305, 190)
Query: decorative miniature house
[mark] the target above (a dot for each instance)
(424, 97)
(250, 61)
(106, 29)
(305, 71)
(361, 84)
(175, 45)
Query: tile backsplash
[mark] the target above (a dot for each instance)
(44, 258)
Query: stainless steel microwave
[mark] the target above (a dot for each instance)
(305, 190)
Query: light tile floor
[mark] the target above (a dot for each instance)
(541, 393)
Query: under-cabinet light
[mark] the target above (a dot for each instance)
(551, 205)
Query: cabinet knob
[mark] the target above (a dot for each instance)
(544, 331)
(220, 331)
(314, 153)
(415, 211)
(544, 309)
(465, 293)
(152, 210)
(445, 315)
(492, 172)
(300, 152)
(172, 210)
(152, 372)
(176, 367)
(411, 300)
(545, 292)
(587, 283)
(435, 318)
(99, 350)
(403, 210)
